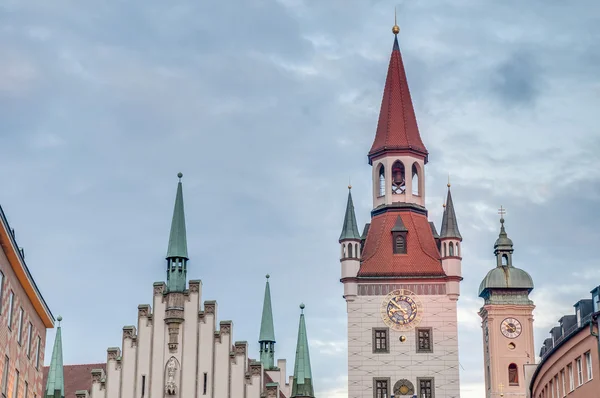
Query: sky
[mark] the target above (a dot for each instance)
(268, 108)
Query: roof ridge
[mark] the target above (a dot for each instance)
(419, 239)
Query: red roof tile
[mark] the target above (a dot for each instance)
(397, 127)
(422, 257)
(77, 377)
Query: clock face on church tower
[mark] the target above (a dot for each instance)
(401, 310)
(511, 328)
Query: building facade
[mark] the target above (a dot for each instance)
(24, 318)
(507, 323)
(179, 349)
(401, 279)
(570, 364)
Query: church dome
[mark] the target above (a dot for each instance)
(506, 278)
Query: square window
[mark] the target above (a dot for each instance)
(381, 342)
(424, 340)
(381, 387)
(426, 387)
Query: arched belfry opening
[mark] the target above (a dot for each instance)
(416, 179)
(505, 260)
(398, 178)
(513, 375)
(381, 174)
(451, 249)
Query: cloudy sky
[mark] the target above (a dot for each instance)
(268, 108)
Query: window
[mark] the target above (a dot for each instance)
(26, 390)
(205, 383)
(16, 385)
(20, 329)
(571, 380)
(564, 384)
(415, 179)
(488, 377)
(556, 385)
(504, 260)
(400, 246)
(513, 375)
(424, 340)
(381, 181)
(29, 335)
(426, 387)
(381, 340)
(10, 309)
(143, 385)
(588, 365)
(451, 249)
(398, 178)
(5, 376)
(579, 372)
(350, 250)
(37, 353)
(1, 290)
(381, 388)
(551, 389)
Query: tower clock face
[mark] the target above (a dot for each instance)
(401, 310)
(511, 328)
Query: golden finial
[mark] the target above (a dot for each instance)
(349, 183)
(444, 205)
(396, 28)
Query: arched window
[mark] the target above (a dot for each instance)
(445, 249)
(504, 260)
(400, 244)
(344, 250)
(513, 375)
(457, 249)
(398, 178)
(415, 179)
(356, 251)
(451, 249)
(350, 250)
(381, 180)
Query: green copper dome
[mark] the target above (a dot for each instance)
(506, 278)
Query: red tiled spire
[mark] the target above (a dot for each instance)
(397, 128)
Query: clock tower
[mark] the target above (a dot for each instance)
(401, 278)
(507, 322)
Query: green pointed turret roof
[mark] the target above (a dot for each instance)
(350, 227)
(177, 239)
(267, 331)
(302, 383)
(449, 223)
(55, 386)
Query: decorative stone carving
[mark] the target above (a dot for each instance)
(173, 336)
(81, 394)
(96, 375)
(240, 348)
(404, 387)
(194, 286)
(113, 353)
(271, 391)
(225, 327)
(159, 288)
(255, 369)
(217, 336)
(170, 377)
(129, 332)
(210, 307)
(143, 310)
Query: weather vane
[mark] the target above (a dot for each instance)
(502, 212)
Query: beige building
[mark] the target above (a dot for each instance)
(24, 318)
(178, 347)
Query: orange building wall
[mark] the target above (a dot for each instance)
(575, 347)
(8, 338)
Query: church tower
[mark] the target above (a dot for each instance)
(400, 286)
(266, 338)
(507, 322)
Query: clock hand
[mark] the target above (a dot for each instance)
(399, 306)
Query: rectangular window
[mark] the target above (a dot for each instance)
(20, 328)
(1, 291)
(16, 386)
(381, 388)
(571, 379)
(556, 385)
(37, 353)
(426, 387)
(5, 376)
(26, 390)
(381, 340)
(29, 336)
(424, 337)
(551, 389)
(564, 384)
(143, 385)
(10, 309)
(579, 372)
(588, 365)
(205, 385)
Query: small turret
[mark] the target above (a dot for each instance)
(177, 255)
(450, 248)
(266, 338)
(55, 386)
(351, 246)
(302, 386)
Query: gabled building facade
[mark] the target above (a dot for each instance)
(24, 318)
(179, 349)
(401, 279)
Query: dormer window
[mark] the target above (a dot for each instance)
(399, 232)
(400, 245)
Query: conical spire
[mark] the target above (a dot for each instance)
(266, 337)
(449, 223)
(350, 227)
(177, 255)
(302, 386)
(55, 386)
(503, 244)
(397, 128)
(177, 239)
